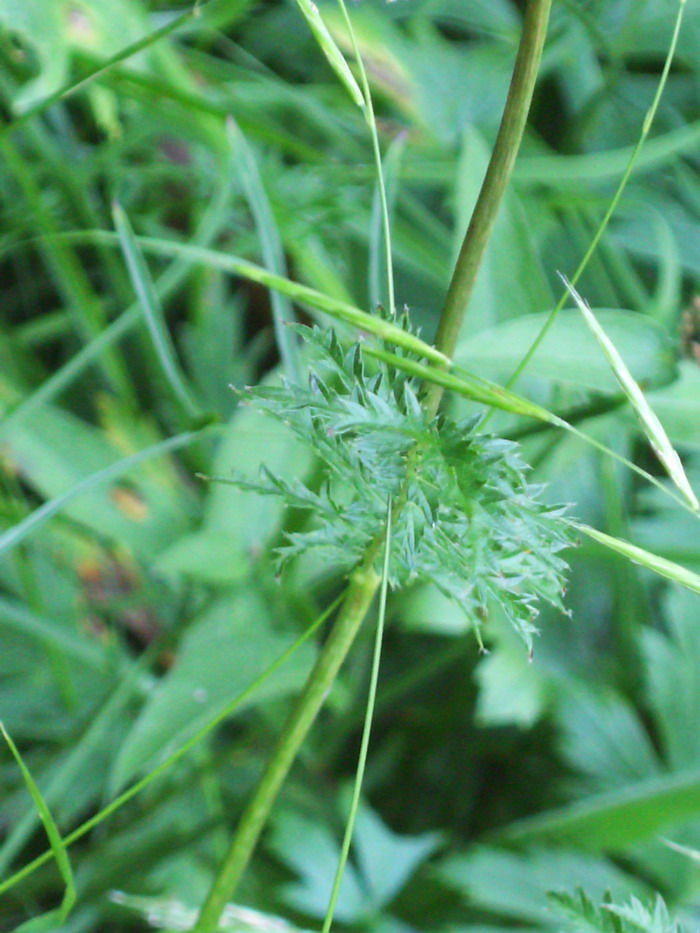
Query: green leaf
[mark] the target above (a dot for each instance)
(387, 859)
(673, 665)
(604, 738)
(49, 457)
(678, 407)
(471, 525)
(314, 863)
(237, 525)
(515, 885)
(617, 820)
(152, 312)
(223, 650)
(511, 690)
(171, 914)
(569, 353)
(384, 863)
(57, 845)
(55, 27)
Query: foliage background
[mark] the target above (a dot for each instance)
(129, 618)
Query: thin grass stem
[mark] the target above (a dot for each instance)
(377, 153)
(612, 207)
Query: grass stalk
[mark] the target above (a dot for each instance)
(376, 152)
(612, 207)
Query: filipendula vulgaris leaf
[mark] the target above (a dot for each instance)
(579, 913)
(467, 519)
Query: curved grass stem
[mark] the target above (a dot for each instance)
(612, 207)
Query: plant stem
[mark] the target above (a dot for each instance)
(498, 174)
(361, 590)
(364, 582)
(366, 732)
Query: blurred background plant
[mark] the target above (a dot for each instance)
(136, 602)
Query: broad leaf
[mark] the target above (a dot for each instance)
(225, 649)
(570, 353)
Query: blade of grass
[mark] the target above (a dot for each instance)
(88, 314)
(612, 207)
(377, 235)
(68, 641)
(50, 146)
(16, 507)
(653, 428)
(35, 519)
(270, 243)
(333, 54)
(340, 310)
(170, 281)
(466, 384)
(122, 55)
(693, 854)
(177, 755)
(68, 773)
(376, 152)
(152, 312)
(659, 565)
(58, 845)
(366, 731)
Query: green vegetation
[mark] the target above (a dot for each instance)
(327, 650)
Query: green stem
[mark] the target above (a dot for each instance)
(364, 582)
(376, 152)
(498, 174)
(366, 732)
(363, 585)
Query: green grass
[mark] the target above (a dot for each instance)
(143, 625)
